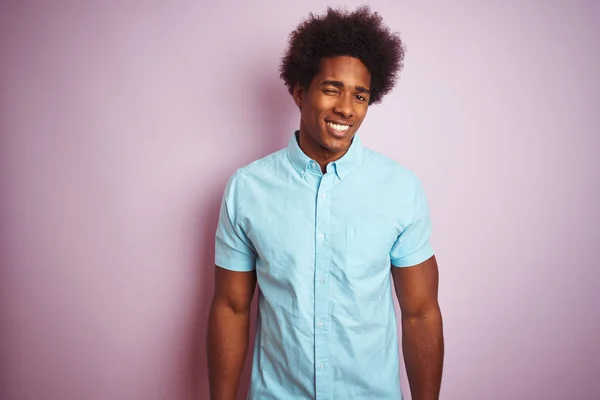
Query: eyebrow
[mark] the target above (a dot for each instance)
(340, 85)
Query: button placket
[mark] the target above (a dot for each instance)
(321, 287)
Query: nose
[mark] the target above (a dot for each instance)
(344, 106)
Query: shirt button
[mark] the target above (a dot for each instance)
(321, 236)
(321, 324)
(321, 366)
(322, 195)
(321, 280)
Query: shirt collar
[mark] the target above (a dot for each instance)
(301, 162)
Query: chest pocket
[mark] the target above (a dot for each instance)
(367, 252)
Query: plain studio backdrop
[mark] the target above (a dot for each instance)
(120, 125)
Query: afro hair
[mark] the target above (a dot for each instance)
(360, 34)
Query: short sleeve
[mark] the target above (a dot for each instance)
(413, 245)
(233, 250)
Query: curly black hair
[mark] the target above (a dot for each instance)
(360, 34)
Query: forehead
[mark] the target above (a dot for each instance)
(349, 70)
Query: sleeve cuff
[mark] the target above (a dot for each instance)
(235, 261)
(423, 254)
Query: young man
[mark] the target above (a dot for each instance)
(320, 225)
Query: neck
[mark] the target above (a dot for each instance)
(317, 152)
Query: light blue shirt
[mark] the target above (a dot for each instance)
(322, 246)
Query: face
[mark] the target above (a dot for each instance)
(333, 107)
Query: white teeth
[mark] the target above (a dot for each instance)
(338, 127)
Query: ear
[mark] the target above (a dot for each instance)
(298, 93)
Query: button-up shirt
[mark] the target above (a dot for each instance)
(323, 246)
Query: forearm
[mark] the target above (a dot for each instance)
(423, 348)
(228, 333)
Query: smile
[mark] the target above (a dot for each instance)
(339, 127)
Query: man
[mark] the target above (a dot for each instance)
(319, 226)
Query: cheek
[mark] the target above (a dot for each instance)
(362, 114)
(318, 113)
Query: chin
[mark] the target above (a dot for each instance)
(336, 145)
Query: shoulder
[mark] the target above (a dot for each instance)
(390, 169)
(260, 168)
(256, 171)
(401, 183)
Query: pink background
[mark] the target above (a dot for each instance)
(121, 124)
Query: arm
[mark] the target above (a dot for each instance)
(422, 334)
(228, 331)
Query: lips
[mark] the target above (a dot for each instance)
(336, 130)
(338, 127)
